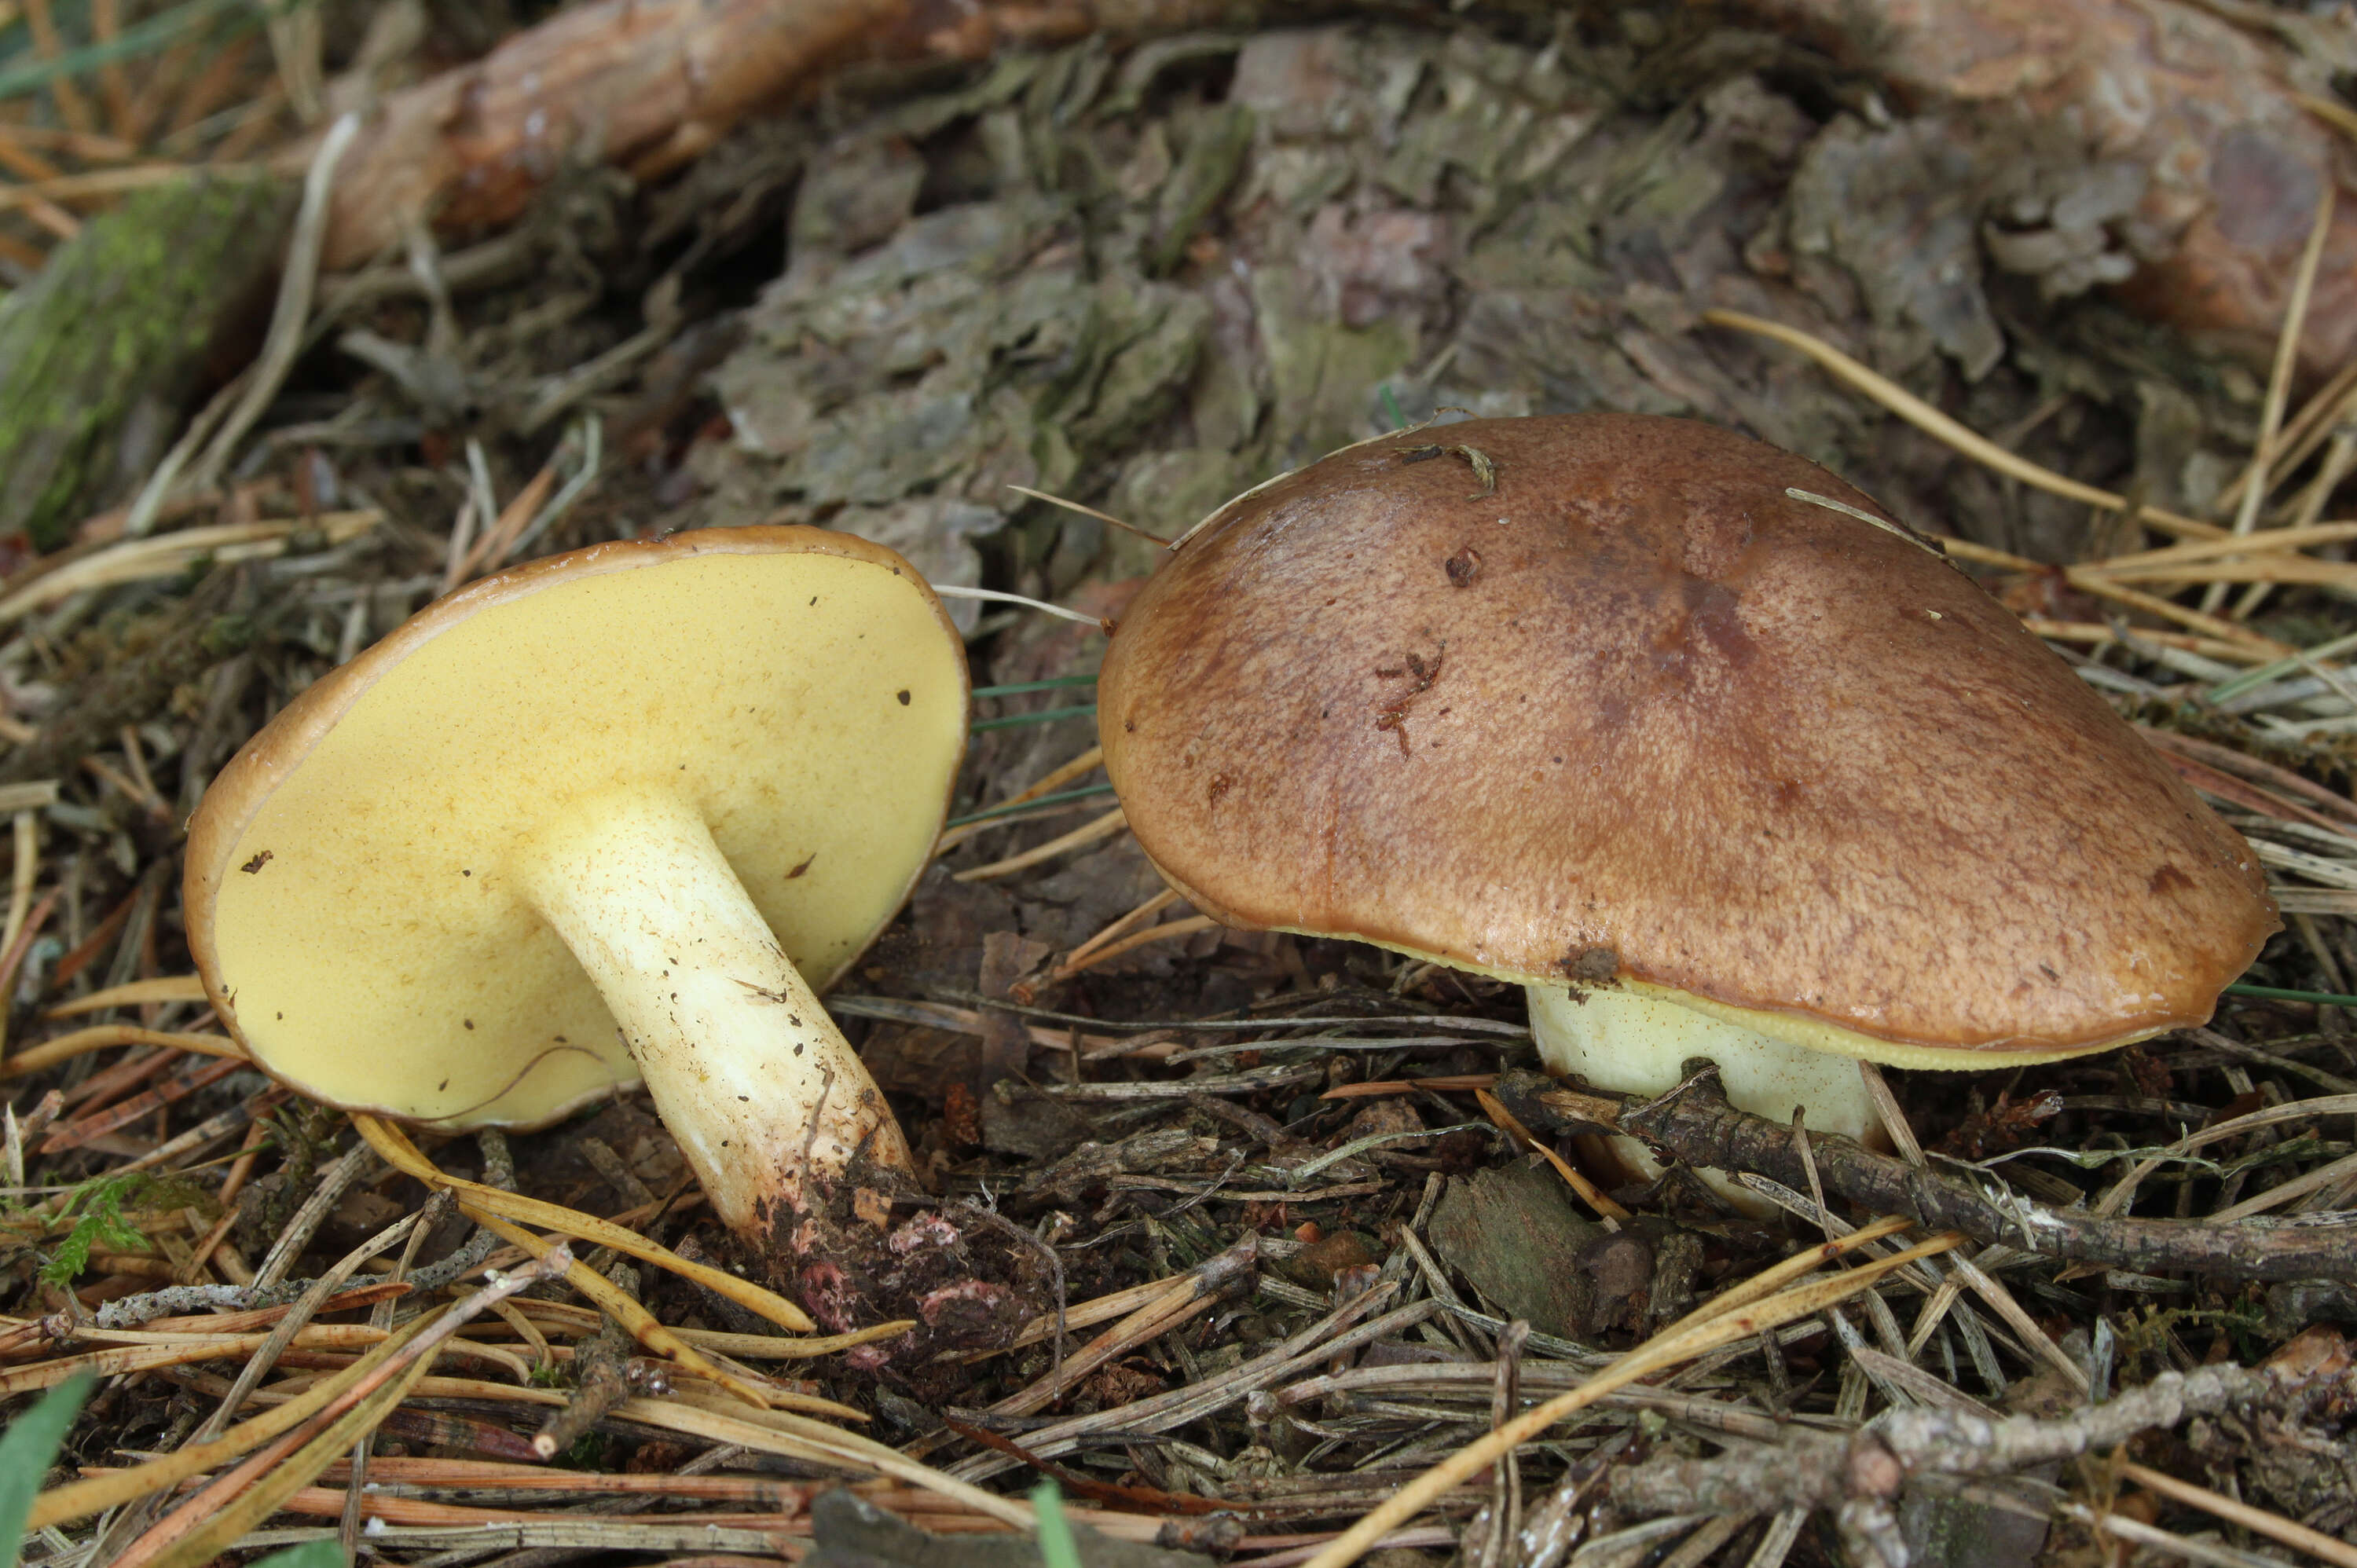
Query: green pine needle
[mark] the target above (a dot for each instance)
(1020, 687)
(1044, 716)
(1061, 797)
(2276, 994)
(21, 75)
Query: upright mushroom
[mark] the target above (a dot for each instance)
(1681, 732)
(603, 817)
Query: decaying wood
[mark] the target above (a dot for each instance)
(97, 353)
(1694, 1122)
(2208, 111)
(649, 86)
(2210, 117)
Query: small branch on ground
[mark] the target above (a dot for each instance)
(652, 86)
(601, 1378)
(1808, 1469)
(1694, 1122)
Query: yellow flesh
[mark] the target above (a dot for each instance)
(383, 953)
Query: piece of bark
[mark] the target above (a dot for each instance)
(1513, 1231)
(1694, 1122)
(2209, 112)
(100, 350)
(649, 84)
(1006, 1046)
(1028, 1126)
(2234, 166)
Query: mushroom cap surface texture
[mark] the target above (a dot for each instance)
(350, 900)
(1637, 715)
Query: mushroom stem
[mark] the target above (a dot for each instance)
(1635, 1044)
(762, 1093)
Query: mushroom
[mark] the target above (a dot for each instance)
(610, 816)
(1685, 734)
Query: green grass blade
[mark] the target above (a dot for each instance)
(1057, 1547)
(25, 1449)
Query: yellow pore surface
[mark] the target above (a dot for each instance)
(374, 941)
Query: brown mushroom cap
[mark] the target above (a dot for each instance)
(354, 897)
(1640, 714)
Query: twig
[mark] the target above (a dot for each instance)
(1087, 762)
(798, 1437)
(1594, 1197)
(2110, 1521)
(133, 1311)
(1694, 1122)
(79, 1500)
(1185, 926)
(206, 1523)
(1088, 512)
(438, 1205)
(1083, 956)
(1506, 1479)
(1808, 1469)
(2106, 586)
(499, 1171)
(249, 1376)
(1758, 1305)
(625, 1310)
(1176, 1303)
(172, 554)
(307, 1220)
(600, 1377)
(994, 595)
(2123, 1192)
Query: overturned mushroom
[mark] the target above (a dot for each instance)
(1710, 755)
(604, 817)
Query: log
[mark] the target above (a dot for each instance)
(647, 85)
(2211, 113)
(98, 353)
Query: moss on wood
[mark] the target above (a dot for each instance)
(98, 354)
